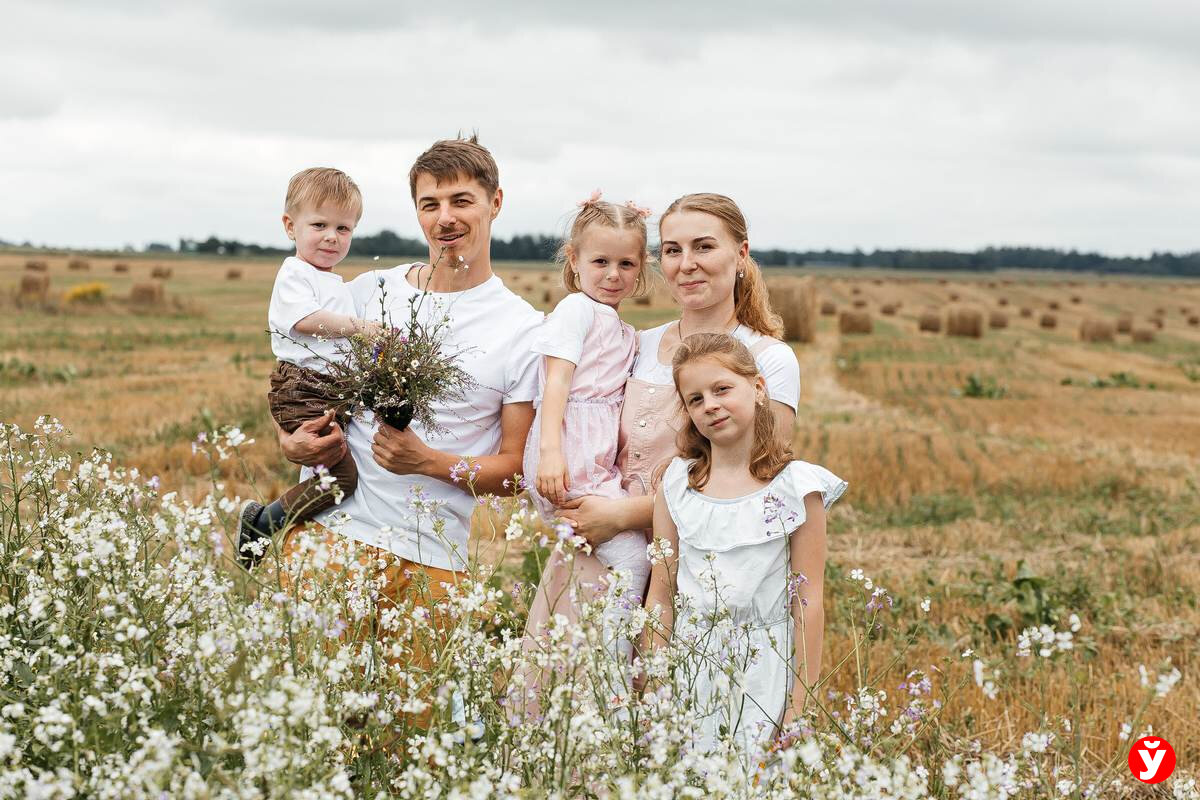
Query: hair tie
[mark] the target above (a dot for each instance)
(591, 200)
(641, 211)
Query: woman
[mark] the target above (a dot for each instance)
(706, 262)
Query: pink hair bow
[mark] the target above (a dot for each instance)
(592, 199)
(641, 211)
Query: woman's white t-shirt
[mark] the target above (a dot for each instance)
(302, 289)
(778, 364)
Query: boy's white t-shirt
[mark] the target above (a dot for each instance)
(490, 328)
(301, 289)
(778, 363)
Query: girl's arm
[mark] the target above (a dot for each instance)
(808, 610)
(552, 467)
(331, 325)
(661, 594)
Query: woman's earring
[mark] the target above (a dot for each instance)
(741, 274)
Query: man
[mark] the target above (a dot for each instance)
(455, 186)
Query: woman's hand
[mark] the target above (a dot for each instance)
(311, 444)
(594, 518)
(552, 476)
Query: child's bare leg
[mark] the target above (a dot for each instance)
(582, 575)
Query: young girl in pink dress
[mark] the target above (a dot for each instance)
(588, 352)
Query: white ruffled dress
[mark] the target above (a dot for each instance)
(735, 616)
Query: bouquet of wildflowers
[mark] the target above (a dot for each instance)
(403, 371)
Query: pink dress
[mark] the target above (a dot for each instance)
(591, 336)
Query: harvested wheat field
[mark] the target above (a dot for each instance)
(1022, 478)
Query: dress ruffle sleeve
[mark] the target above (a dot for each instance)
(719, 525)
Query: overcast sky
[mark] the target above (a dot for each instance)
(884, 123)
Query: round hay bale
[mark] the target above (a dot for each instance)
(1054, 306)
(1003, 301)
(544, 277)
(1026, 312)
(878, 282)
(888, 309)
(161, 272)
(860, 303)
(942, 281)
(855, 290)
(120, 266)
(1157, 322)
(828, 308)
(1049, 321)
(930, 321)
(1124, 323)
(1097, 330)
(1194, 320)
(36, 266)
(150, 293)
(997, 319)
(233, 274)
(1160, 312)
(795, 301)
(1076, 299)
(965, 322)
(79, 265)
(954, 297)
(644, 300)
(34, 289)
(855, 322)
(1143, 335)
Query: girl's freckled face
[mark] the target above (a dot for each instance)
(719, 402)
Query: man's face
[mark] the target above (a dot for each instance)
(456, 217)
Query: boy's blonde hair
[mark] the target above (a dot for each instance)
(768, 456)
(448, 159)
(595, 211)
(315, 186)
(751, 304)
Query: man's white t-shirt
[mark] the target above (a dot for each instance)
(302, 289)
(490, 328)
(778, 363)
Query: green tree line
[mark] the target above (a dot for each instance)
(540, 247)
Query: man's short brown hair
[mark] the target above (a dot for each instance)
(315, 186)
(451, 158)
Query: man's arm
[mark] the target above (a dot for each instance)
(309, 445)
(403, 452)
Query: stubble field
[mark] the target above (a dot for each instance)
(1013, 479)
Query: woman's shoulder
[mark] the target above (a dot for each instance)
(654, 334)
(761, 345)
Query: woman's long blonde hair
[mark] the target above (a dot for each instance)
(768, 456)
(751, 304)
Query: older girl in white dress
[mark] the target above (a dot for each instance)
(743, 529)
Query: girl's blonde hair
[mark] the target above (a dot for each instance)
(595, 211)
(751, 304)
(768, 456)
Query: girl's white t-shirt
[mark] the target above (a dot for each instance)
(778, 364)
(302, 289)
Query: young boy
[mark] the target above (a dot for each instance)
(310, 308)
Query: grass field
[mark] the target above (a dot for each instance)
(1014, 479)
